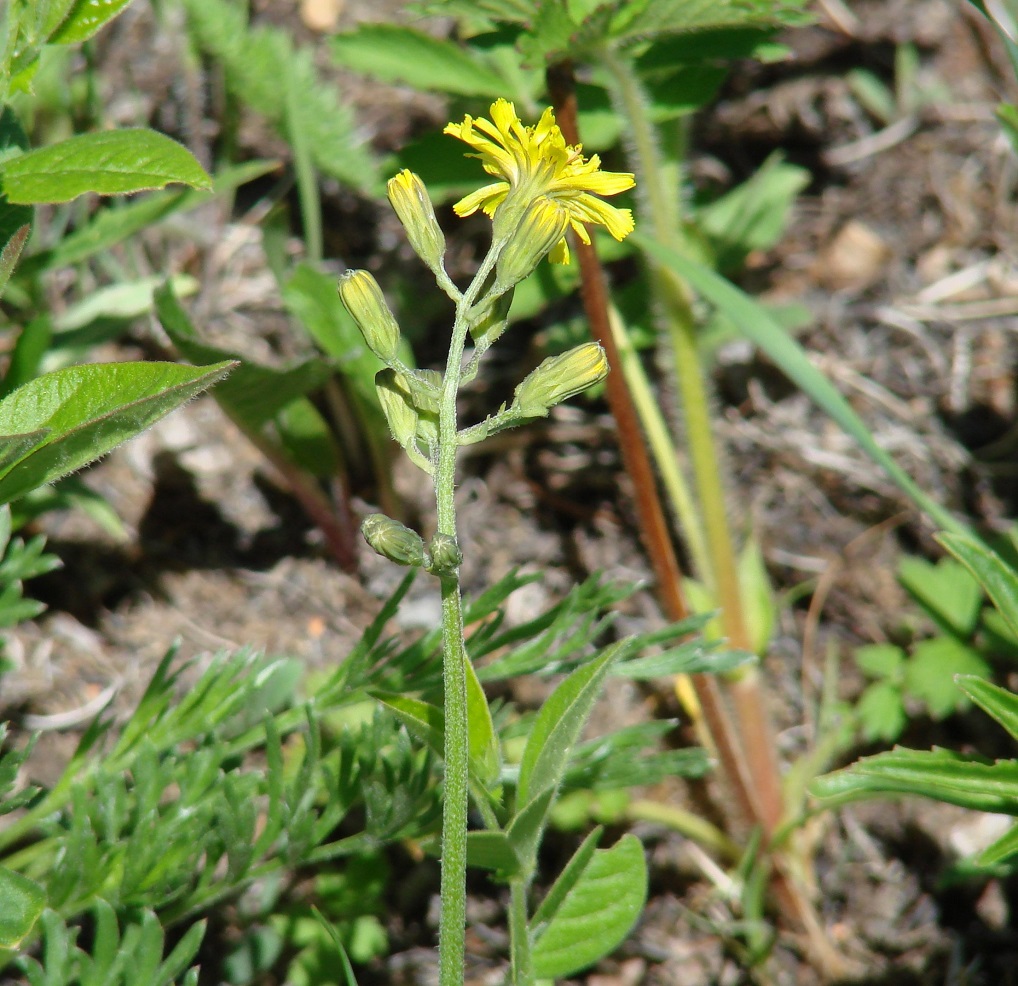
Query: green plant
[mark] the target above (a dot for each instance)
(921, 674)
(53, 424)
(543, 187)
(645, 68)
(961, 779)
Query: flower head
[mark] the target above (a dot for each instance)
(560, 377)
(537, 161)
(410, 199)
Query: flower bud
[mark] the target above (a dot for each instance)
(363, 299)
(543, 225)
(559, 378)
(409, 198)
(446, 555)
(393, 540)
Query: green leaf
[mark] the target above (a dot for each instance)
(85, 18)
(968, 782)
(524, 831)
(307, 438)
(595, 914)
(930, 671)
(692, 657)
(567, 879)
(757, 595)
(636, 21)
(183, 952)
(393, 53)
(881, 712)
(254, 61)
(111, 162)
(10, 252)
(991, 571)
(492, 851)
(483, 741)
(696, 47)
(753, 215)
(122, 219)
(946, 590)
(880, 661)
(993, 700)
(89, 410)
(558, 724)
(21, 902)
(427, 723)
(757, 325)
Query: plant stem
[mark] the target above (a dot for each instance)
(720, 732)
(452, 925)
(758, 746)
(522, 968)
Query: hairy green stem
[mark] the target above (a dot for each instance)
(522, 966)
(452, 925)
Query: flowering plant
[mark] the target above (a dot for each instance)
(545, 187)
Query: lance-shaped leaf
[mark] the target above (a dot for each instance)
(557, 726)
(394, 53)
(427, 723)
(85, 18)
(87, 411)
(254, 394)
(993, 700)
(941, 774)
(110, 162)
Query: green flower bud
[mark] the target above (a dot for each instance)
(393, 540)
(446, 556)
(410, 200)
(542, 226)
(363, 299)
(559, 378)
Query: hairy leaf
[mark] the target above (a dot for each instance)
(110, 162)
(89, 410)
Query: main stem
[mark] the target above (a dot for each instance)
(452, 924)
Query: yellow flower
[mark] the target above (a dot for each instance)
(537, 161)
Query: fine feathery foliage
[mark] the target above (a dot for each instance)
(261, 65)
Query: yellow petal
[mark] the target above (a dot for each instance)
(469, 204)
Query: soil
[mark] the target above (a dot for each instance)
(902, 249)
